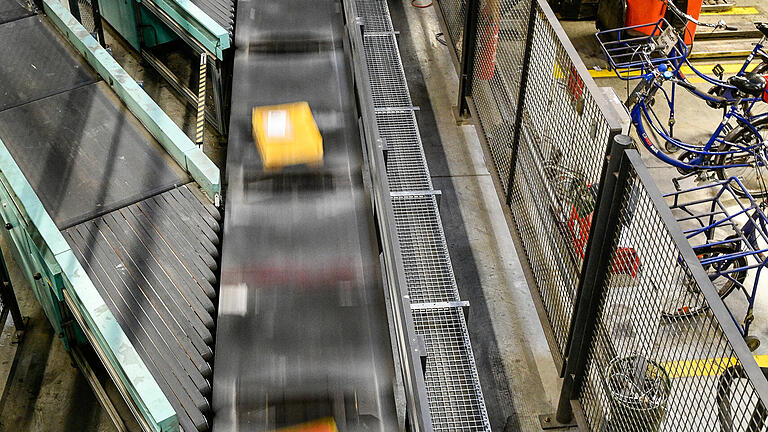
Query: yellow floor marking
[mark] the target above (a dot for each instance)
(705, 367)
(734, 11)
(730, 69)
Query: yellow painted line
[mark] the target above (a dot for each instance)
(734, 11)
(705, 367)
(730, 68)
(718, 54)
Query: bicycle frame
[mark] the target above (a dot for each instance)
(705, 152)
(730, 95)
(712, 215)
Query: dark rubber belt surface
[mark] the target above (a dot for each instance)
(267, 22)
(302, 330)
(150, 263)
(35, 62)
(220, 11)
(85, 154)
(11, 10)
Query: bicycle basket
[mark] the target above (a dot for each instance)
(624, 47)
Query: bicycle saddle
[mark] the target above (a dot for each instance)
(752, 84)
(763, 27)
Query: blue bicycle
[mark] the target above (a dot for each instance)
(654, 54)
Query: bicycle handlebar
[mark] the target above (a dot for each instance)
(720, 24)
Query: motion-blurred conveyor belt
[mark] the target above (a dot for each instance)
(302, 327)
(133, 218)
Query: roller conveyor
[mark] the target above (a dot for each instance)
(302, 329)
(140, 227)
(153, 262)
(222, 12)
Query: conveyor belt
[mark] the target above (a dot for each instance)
(154, 264)
(302, 328)
(14, 9)
(81, 150)
(145, 235)
(221, 11)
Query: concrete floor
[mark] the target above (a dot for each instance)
(517, 373)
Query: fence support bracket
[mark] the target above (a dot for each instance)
(467, 60)
(548, 421)
(603, 230)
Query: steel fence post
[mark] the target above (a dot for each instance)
(526, 66)
(74, 9)
(467, 60)
(98, 28)
(594, 276)
(8, 297)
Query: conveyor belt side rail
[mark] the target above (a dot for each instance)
(168, 134)
(411, 351)
(197, 23)
(52, 270)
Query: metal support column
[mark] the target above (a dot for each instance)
(594, 274)
(467, 63)
(98, 28)
(8, 297)
(519, 112)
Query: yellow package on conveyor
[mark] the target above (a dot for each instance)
(287, 135)
(324, 425)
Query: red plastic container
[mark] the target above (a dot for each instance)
(488, 39)
(694, 10)
(644, 12)
(651, 11)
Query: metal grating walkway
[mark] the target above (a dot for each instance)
(453, 387)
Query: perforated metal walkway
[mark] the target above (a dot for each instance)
(453, 387)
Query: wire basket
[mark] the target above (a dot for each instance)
(639, 389)
(633, 51)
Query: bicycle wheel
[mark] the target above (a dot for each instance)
(691, 302)
(754, 176)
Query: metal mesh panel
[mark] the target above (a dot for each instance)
(542, 212)
(651, 370)
(406, 164)
(563, 139)
(86, 15)
(453, 389)
(450, 371)
(387, 76)
(375, 16)
(454, 12)
(496, 81)
(428, 269)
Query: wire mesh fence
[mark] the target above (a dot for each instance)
(639, 365)
(453, 14)
(650, 368)
(547, 132)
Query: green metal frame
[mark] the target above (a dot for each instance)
(49, 264)
(157, 122)
(51, 267)
(199, 25)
